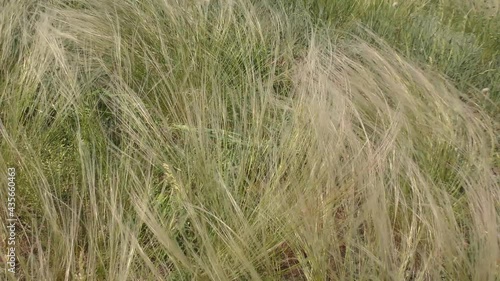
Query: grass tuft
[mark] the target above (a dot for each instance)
(251, 140)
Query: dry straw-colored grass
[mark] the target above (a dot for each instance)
(157, 140)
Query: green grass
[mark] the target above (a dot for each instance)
(251, 140)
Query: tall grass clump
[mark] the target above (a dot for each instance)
(458, 38)
(241, 140)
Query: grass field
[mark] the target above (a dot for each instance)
(250, 140)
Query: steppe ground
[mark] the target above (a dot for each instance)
(250, 140)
